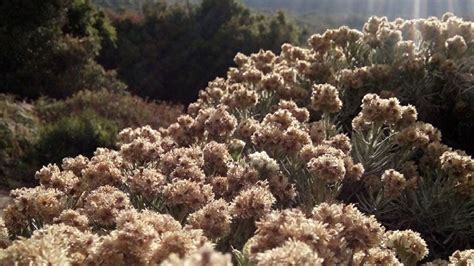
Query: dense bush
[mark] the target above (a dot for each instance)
(430, 62)
(273, 164)
(121, 109)
(174, 50)
(48, 130)
(48, 48)
(19, 127)
(73, 135)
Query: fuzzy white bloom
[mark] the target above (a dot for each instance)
(262, 162)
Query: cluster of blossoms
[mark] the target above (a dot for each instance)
(461, 167)
(332, 234)
(266, 162)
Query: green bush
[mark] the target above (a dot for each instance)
(18, 133)
(170, 52)
(74, 135)
(124, 110)
(48, 48)
(48, 130)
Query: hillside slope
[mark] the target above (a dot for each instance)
(390, 8)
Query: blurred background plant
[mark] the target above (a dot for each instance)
(73, 135)
(171, 51)
(47, 130)
(19, 128)
(123, 110)
(48, 48)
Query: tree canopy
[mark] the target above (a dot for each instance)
(172, 51)
(48, 47)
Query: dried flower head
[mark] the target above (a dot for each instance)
(353, 171)
(253, 202)
(128, 135)
(181, 243)
(103, 169)
(184, 131)
(290, 253)
(76, 164)
(280, 133)
(160, 223)
(325, 98)
(327, 168)
(263, 163)
(180, 156)
(141, 150)
(236, 147)
(456, 46)
(238, 96)
(378, 111)
(462, 258)
(278, 227)
(301, 114)
(341, 142)
(214, 219)
(73, 218)
(408, 245)
(188, 194)
(51, 177)
(216, 157)
(220, 124)
(205, 256)
(43, 251)
(393, 183)
(32, 206)
(147, 182)
(51, 245)
(103, 205)
(131, 244)
(355, 230)
(376, 256)
(461, 168)
(79, 243)
(246, 128)
(282, 188)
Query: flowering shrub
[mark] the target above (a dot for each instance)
(278, 164)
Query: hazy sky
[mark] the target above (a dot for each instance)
(391, 8)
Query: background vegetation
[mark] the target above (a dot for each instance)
(172, 52)
(48, 48)
(65, 60)
(59, 59)
(47, 130)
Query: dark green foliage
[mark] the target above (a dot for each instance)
(174, 50)
(48, 48)
(74, 135)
